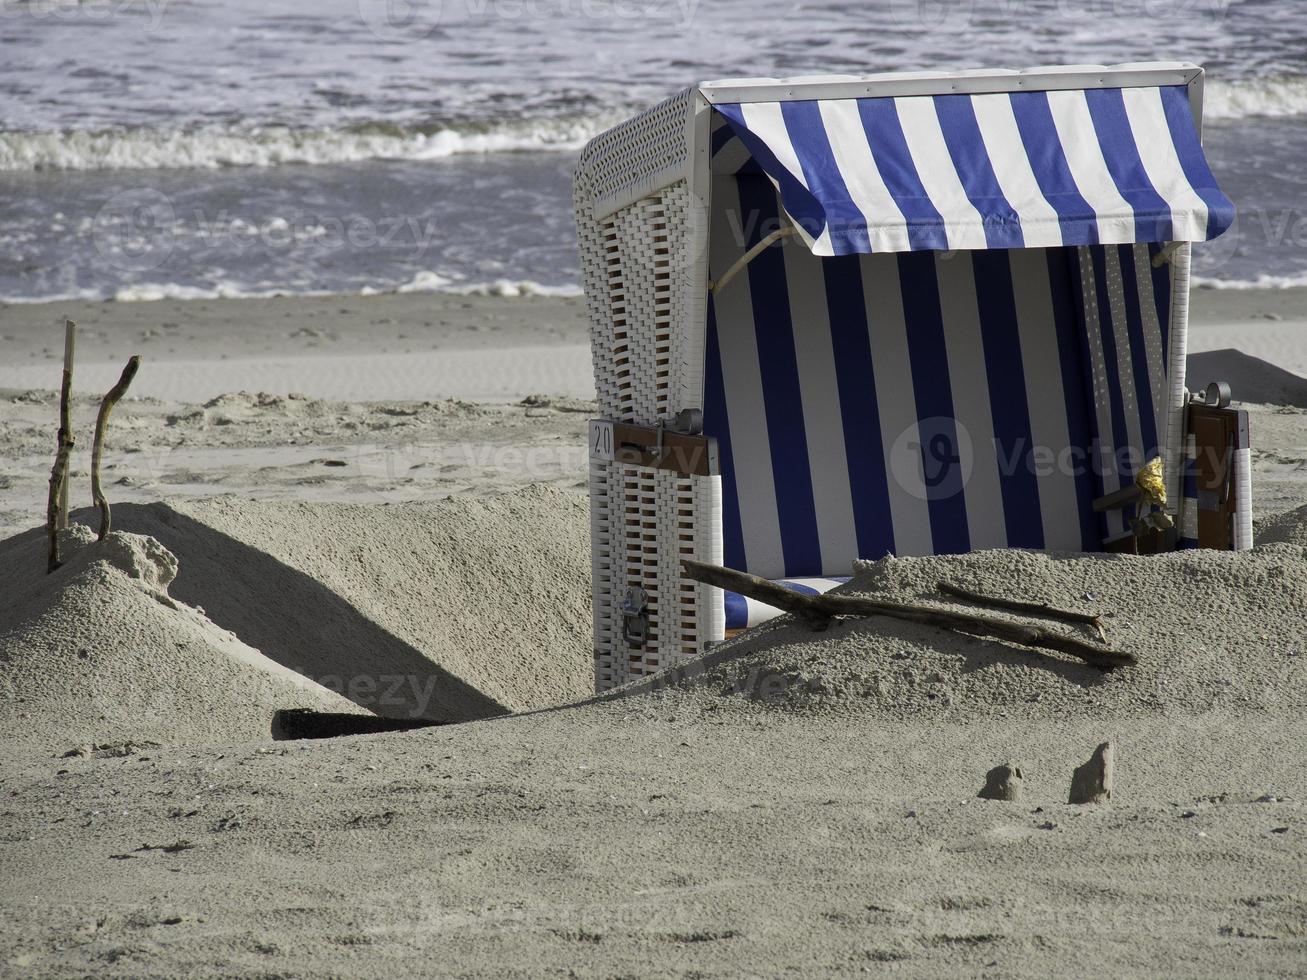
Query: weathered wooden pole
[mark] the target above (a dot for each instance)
(97, 447)
(56, 516)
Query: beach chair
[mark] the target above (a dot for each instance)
(904, 314)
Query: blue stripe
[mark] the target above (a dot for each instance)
(1112, 125)
(957, 122)
(1106, 331)
(1184, 136)
(721, 137)
(804, 209)
(717, 424)
(859, 408)
(799, 587)
(1034, 118)
(1162, 298)
(845, 221)
(889, 148)
(1138, 352)
(778, 365)
(1007, 399)
(737, 611)
(1068, 320)
(937, 422)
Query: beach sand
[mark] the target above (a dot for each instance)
(792, 802)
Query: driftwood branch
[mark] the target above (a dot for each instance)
(97, 448)
(818, 610)
(1027, 608)
(56, 514)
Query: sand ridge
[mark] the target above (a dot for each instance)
(98, 652)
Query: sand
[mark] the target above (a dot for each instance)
(391, 346)
(449, 611)
(792, 802)
(98, 654)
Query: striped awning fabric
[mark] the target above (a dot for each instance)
(1006, 170)
(743, 612)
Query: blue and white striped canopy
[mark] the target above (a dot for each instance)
(1006, 170)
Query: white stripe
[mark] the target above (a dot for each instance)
(895, 401)
(968, 379)
(822, 585)
(764, 120)
(758, 612)
(742, 380)
(1040, 225)
(1143, 107)
(1084, 157)
(887, 227)
(1041, 361)
(921, 129)
(1243, 500)
(822, 422)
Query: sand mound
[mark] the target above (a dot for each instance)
(1213, 632)
(457, 609)
(1251, 378)
(1287, 528)
(99, 653)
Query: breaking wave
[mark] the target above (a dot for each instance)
(1275, 97)
(150, 149)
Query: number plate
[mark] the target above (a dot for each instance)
(601, 439)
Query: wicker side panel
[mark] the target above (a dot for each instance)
(652, 519)
(634, 262)
(609, 673)
(644, 290)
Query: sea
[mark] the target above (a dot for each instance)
(196, 148)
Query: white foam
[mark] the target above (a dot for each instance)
(423, 282)
(1277, 97)
(148, 149)
(1263, 281)
(433, 282)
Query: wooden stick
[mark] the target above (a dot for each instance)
(818, 610)
(101, 424)
(1028, 608)
(56, 514)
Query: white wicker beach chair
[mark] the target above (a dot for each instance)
(840, 317)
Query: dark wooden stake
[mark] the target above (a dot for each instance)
(1027, 608)
(97, 448)
(56, 514)
(818, 610)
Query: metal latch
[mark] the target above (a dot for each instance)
(635, 616)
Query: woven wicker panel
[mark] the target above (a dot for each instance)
(606, 629)
(643, 522)
(634, 262)
(634, 154)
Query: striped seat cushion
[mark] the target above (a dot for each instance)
(743, 612)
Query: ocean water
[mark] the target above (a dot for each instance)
(156, 148)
